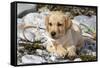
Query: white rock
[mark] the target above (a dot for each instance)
(39, 51)
(67, 60)
(89, 21)
(78, 59)
(28, 59)
(33, 19)
(53, 58)
(22, 7)
(29, 35)
(94, 53)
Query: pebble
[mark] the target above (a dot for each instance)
(77, 59)
(28, 59)
(39, 52)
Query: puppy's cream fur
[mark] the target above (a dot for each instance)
(68, 34)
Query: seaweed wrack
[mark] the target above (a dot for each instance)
(88, 57)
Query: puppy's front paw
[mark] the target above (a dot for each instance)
(71, 53)
(61, 51)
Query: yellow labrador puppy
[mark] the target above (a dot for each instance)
(65, 32)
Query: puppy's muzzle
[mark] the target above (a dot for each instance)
(53, 34)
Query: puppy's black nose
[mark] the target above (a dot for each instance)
(53, 33)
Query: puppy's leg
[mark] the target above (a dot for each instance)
(60, 50)
(71, 52)
(57, 49)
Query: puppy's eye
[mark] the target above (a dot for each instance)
(50, 24)
(59, 24)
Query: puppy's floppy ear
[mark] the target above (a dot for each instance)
(46, 22)
(68, 22)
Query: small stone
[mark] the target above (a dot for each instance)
(28, 59)
(39, 52)
(94, 53)
(63, 60)
(53, 58)
(78, 59)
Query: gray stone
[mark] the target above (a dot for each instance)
(28, 59)
(24, 9)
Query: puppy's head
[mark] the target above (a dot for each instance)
(57, 24)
